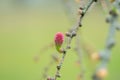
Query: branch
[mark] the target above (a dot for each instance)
(80, 56)
(70, 34)
(55, 59)
(101, 70)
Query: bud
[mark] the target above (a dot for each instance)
(49, 78)
(95, 56)
(68, 34)
(59, 38)
(80, 12)
(77, 1)
(102, 73)
(112, 1)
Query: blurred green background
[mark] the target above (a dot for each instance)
(26, 26)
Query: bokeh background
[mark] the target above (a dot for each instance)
(26, 26)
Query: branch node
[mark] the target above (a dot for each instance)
(74, 34)
(58, 67)
(68, 34)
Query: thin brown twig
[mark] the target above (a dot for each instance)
(80, 56)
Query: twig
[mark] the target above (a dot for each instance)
(55, 59)
(72, 33)
(80, 55)
(101, 71)
(46, 69)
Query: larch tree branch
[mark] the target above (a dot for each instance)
(105, 55)
(70, 34)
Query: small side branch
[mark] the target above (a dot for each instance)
(80, 56)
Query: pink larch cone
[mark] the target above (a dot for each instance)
(59, 38)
